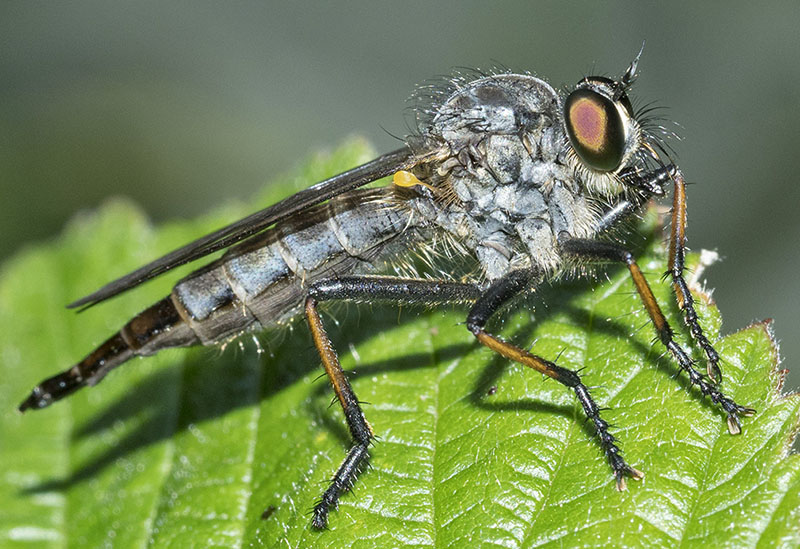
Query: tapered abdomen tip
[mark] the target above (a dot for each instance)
(37, 399)
(52, 389)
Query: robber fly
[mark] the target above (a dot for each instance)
(518, 181)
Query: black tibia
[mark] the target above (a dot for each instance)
(677, 243)
(606, 251)
(398, 290)
(489, 303)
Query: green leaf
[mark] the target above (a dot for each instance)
(191, 446)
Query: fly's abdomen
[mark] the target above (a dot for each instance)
(155, 328)
(256, 284)
(262, 281)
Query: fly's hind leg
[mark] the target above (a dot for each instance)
(372, 288)
(606, 251)
(489, 303)
(360, 430)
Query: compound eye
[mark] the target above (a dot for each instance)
(595, 128)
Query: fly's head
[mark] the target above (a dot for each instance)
(606, 137)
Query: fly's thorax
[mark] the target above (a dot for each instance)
(504, 104)
(506, 189)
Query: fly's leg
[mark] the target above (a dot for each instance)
(398, 290)
(489, 303)
(606, 251)
(360, 430)
(650, 184)
(677, 243)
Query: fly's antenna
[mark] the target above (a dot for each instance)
(630, 74)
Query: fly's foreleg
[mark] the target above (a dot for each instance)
(677, 243)
(650, 184)
(606, 251)
(489, 303)
(397, 290)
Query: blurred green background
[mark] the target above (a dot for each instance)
(183, 106)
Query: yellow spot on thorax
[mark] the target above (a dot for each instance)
(403, 178)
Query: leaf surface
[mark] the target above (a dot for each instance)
(191, 446)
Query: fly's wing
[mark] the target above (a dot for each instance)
(387, 164)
